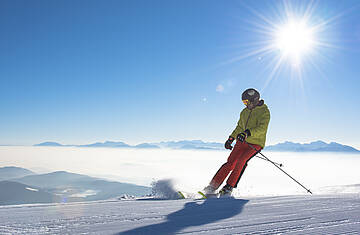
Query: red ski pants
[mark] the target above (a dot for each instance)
(236, 162)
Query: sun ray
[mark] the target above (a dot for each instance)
(246, 55)
(261, 16)
(292, 37)
(274, 71)
(310, 9)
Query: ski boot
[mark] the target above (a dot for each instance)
(209, 189)
(226, 191)
(209, 192)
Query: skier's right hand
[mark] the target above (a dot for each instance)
(229, 142)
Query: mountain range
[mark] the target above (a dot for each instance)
(185, 144)
(316, 146)
(19, 186)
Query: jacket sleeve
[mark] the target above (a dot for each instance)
(261, 129)
(239, 128)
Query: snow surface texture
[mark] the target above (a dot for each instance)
(317, 214)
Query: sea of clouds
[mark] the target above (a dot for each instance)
(190, 171)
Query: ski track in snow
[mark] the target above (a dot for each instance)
(325, 214)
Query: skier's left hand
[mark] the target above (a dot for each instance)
(229, 142)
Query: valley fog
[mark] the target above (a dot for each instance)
(192, 170)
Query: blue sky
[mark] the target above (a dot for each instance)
(145, 71)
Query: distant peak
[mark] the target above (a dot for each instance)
(113, 142)
(49, 143)
(59, 172)
(319, 142)
(14, 168)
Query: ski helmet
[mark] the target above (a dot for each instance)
(250, 96)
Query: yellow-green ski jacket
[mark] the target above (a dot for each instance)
(257, 121)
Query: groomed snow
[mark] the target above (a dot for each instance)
(317, 214)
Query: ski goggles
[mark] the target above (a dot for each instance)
(246, 102)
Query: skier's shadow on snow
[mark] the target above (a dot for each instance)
(194, 214)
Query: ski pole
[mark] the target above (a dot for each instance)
(308, 190)
(279, 164)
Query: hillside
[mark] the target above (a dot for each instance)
(16, 193)
(66, 184)
(11, 172)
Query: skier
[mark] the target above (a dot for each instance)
(251, 129)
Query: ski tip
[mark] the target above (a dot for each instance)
(202, 194)
(181, 195)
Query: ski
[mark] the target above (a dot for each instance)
(203, 196)
(181, 195)
(200, 195)
(207, 196)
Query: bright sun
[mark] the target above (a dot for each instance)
(294, 39)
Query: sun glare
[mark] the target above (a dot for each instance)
(294, 39)
(291, 38)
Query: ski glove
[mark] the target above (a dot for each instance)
(243, 135)
(229, 142)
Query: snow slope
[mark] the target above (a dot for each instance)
(317, 214)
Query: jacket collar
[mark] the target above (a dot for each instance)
(261, 103)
